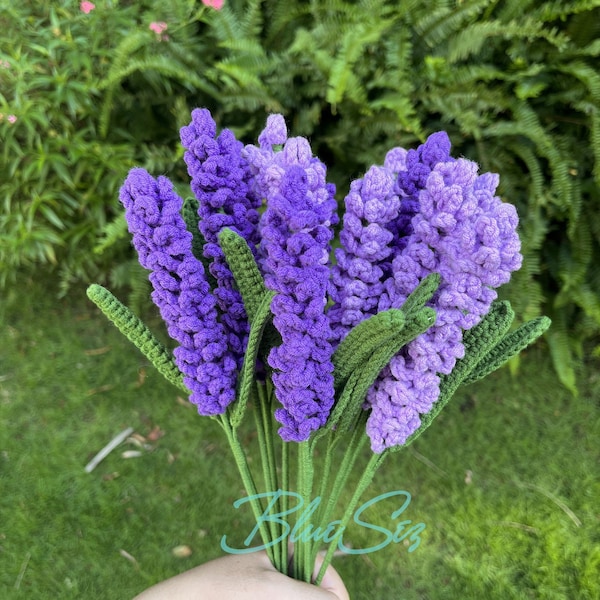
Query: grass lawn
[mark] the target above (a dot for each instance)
(506, 480)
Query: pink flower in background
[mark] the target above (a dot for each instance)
(87, 7)
(4, 64)
(216, 4)
(158, 27)
(11, 118)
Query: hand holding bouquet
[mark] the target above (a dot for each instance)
(366, 348)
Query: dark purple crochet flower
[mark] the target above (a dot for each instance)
(296, 230)
(467, 235)
(181, 292)
(223, 184)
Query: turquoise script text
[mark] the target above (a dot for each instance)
(304, 531)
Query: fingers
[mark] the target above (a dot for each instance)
(245, 577)
(332, 581)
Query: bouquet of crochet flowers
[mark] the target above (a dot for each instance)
(362, 344)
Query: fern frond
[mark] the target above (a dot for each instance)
(128, 46)
(592, 110)
(561, 10)
(561, 351)
(576, 257)
(472, 38)
(592, 49)
(531, 161)
(112, 232)
(446, 21)
(162, 65)
(588, 301)
(585, 73)
(252, 22)
(352, 48)
(527, 124)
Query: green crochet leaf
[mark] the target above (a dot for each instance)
(422, 293)
(508, 347)
(362, 340)
(260, 320)
(478, 342)
(244, 269)
(136, 332)
(349, 403)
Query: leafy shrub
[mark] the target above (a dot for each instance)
(515, 83)
(62, 165)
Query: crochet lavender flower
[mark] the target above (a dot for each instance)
(222, 182)
(296, 229)
(364, 258)
(181, 291)
(466, 234)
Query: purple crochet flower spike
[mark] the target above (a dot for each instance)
(296, 230)
(449, 222)
(181, 292)
(364, 259)
(223, 184)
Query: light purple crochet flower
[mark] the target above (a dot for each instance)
(451, 223)
(364, 258)
(181, 292)
(296, 230)
(223, 184)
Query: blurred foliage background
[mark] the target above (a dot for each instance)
(516, 83)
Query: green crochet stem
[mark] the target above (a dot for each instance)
(478, 342)
(136, 332)
(241, 460)
(260, 319)
(370, 345)
(487, 347)
(367, 476)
